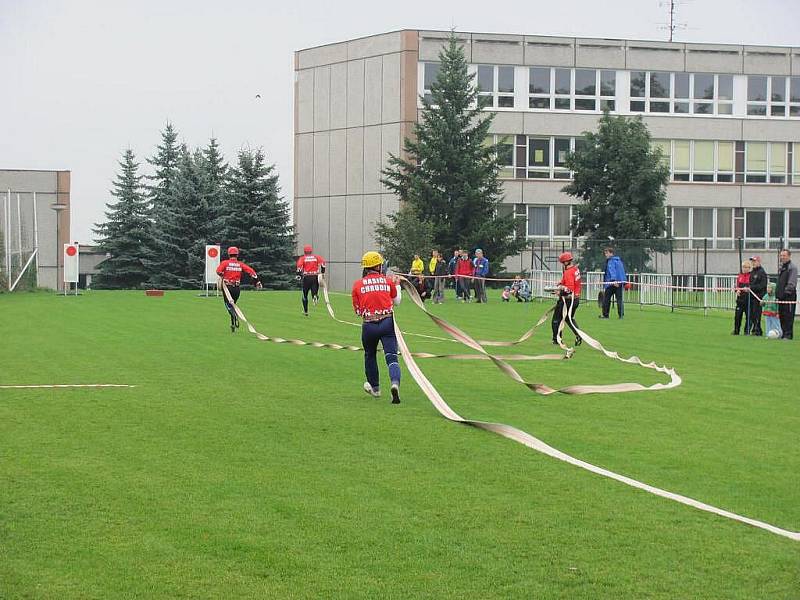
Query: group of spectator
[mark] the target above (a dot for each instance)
(468, 273)
(757, 296)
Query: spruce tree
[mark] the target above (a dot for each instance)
(125, 234)
(165, 166)
(257, 220)
(181, 241)
(450, 178)
(214, 179)
(620, 182)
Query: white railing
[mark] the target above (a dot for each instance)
(660, 289)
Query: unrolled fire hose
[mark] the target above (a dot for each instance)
(523, 437)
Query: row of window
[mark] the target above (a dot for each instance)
(656, 92)
(539, 157)
(681, 93)
(719, 227)
(727, 162)
(691, 227)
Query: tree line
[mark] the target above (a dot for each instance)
(157, 226)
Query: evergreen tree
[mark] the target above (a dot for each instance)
(257, 221)
(214, 176)
(125, 234)
(181, 241)
(160, 191)
(620, 182)
(404, 236)
(450, 178)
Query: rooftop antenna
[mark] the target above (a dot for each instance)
(672, 26)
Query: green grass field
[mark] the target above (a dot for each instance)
(245, 469)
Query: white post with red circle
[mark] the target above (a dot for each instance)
(213, 253)
(71, 266)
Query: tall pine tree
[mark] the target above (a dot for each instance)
(450, 178)
(181, 239)
(214, 180)
(257, 220)
(160, 193)
(126, 233)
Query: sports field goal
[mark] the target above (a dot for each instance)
(19, 235)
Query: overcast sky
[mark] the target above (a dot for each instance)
(81, 80)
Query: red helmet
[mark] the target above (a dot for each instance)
(565, 257)
(308, 249)
(233, 251)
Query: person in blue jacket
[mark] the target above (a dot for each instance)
(614, 279)
(481, 264)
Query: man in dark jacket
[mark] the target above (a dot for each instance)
(614, 278)
(440, 279)
(786, 292)
(758, 285)
(451, 270)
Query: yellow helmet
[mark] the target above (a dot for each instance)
(371, 259)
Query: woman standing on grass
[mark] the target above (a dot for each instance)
(230, 270)
(374, 297)
(742, 299)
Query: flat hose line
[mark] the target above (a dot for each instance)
(523, 437)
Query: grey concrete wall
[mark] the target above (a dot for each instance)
(45, 186)
(355, 102)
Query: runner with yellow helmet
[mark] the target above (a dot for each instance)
(374, 297)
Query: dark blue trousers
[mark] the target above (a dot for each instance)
(381, 331)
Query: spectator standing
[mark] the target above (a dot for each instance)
(770, 311)
(481, 270)
(440, 279)
(743, 299)
(417, 266)
(786, 291)
(464, 271)
(451, 270)
(614, 278)
(758, 285)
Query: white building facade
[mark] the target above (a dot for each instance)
(726, 116)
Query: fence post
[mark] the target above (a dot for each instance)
(671, 279)
(705, 276)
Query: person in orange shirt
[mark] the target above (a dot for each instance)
(569, 292)
(309, 267)
(374, 297)
(230, 270)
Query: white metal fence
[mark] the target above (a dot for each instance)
(660, 289)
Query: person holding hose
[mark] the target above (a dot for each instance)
(374, 297)
(758, 285)
(569, 292)
(230, 270)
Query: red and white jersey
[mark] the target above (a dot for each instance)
(231, 271)
(372, 296)
(310, 264)
(571, 279)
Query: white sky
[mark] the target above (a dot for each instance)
(81, 80)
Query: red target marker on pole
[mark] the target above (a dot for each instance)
(213, 251)
(212, 262)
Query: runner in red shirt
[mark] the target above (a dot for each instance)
(309, 267)
(230, 270)
(569, 291)
(374, 297)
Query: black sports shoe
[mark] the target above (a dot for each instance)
(578, 341)
(555, 342)
(237, 323)
(395, 394)
(233, 328)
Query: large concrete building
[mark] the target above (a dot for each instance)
(28, 200)
(726, 116)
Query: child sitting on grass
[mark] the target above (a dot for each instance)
(506, 295)
(770, 311)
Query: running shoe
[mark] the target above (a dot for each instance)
(374, 392)
(395, 394)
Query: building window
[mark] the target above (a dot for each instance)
(755, 162)
(755, 232)
(774, 96)
(571, 89)
(539, 158)
(430, 73)
(703, 164)
(549, 221)
(538, 221)
(682, 160)
(724, 224)
(660, 92)
(777, 162)
(495, 86)
(725, 153)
